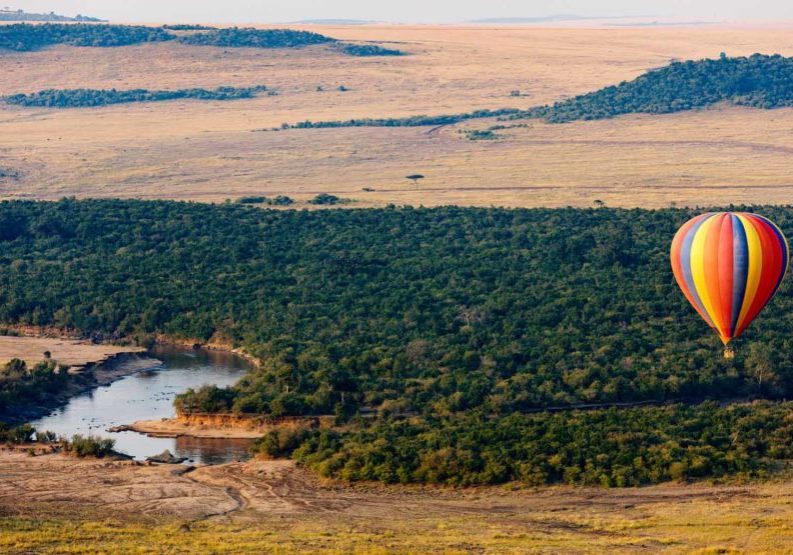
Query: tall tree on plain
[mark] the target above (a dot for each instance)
(415, 178)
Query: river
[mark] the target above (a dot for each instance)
(149, 395)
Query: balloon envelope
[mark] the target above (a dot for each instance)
(729, 265)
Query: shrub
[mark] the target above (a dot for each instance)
(252, 200)
(90, 446)
(366, 50)
(325, 199)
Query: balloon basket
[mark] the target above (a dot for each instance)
(729, 353)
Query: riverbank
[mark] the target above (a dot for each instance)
(264, 506)
(91, 363)
(211, 345)
(222, 426)
(173, 428)
(78, 354)
(94, 374)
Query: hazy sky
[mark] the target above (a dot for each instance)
(401, 10)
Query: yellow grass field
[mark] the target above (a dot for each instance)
(212, 151)
(99, 506)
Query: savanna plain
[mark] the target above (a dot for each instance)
(212, 151)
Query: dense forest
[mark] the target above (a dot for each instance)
(407, 320)
(611, 447)
(81, 98)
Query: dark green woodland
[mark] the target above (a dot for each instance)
(445, 336)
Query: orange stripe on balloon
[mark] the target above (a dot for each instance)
(677, 263)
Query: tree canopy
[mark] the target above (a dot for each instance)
(446, 328)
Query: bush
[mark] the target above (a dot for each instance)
(89, 446)
(279, 443)
(326, 199)
(18, 434)
(252, 200)
(281, 200)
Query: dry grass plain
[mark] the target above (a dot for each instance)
(98, 506)
(211, 151)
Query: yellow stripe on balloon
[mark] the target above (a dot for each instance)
(755, 250)
(698, 267)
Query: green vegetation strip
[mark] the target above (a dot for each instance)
(438, 329)
(759, 81)
(614, 447)
(81, 98)
(25, 37)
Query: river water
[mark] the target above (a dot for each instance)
(149, 395)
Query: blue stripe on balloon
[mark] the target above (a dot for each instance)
(685, 265)
(740, 269)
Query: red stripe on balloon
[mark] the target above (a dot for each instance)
(725, 275)
(711, 268)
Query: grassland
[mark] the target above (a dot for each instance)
(213, 151)
(82, 506)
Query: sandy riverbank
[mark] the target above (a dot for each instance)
(172, 427)
(76, 353)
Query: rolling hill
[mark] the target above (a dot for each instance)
(21, 15)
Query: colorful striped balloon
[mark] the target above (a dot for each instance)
(729, 265)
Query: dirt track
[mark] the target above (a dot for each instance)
(276, 495)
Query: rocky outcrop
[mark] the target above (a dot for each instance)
(166, 457)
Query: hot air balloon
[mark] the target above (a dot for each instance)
(729, 265)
